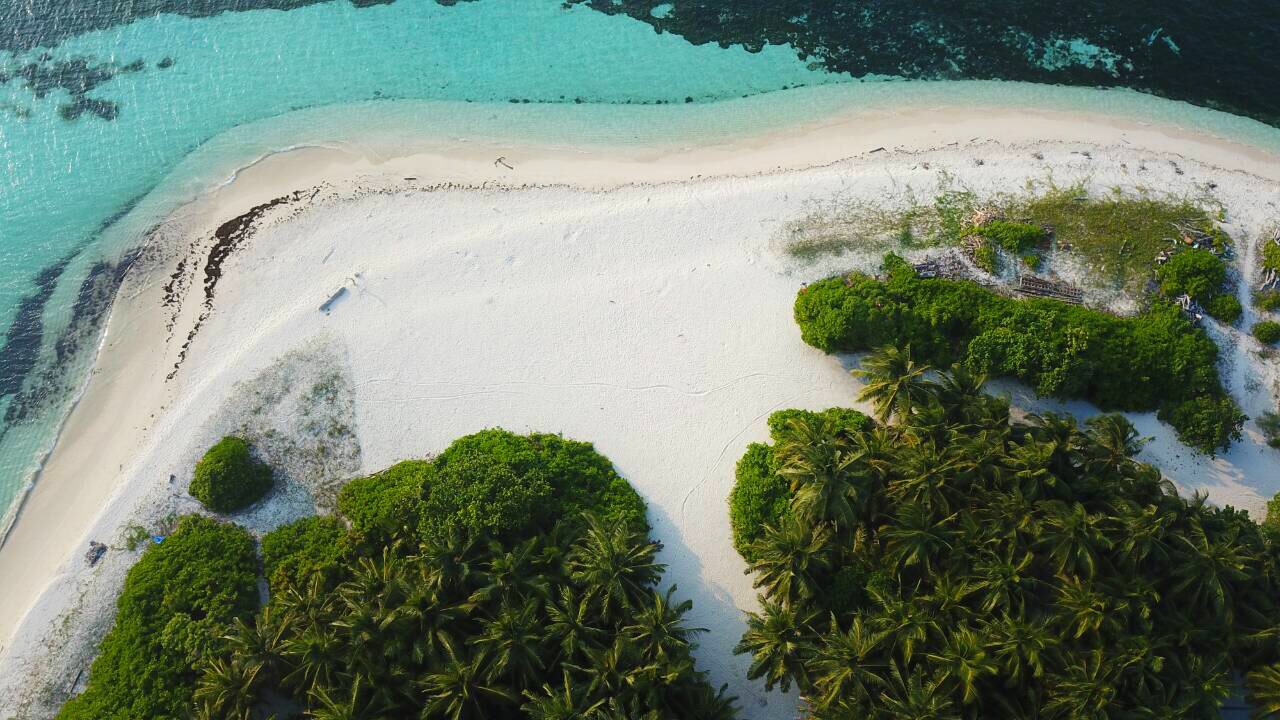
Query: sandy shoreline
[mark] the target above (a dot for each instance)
(629, 296)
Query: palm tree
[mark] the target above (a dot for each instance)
(781, 640)
(354, 705)
(228, 688)
(965, 661)
(1114, 439)
(615, 565)
(789, 559)
(816, 460)
(1264, 689)
(894, 382)
(510, 645)
(658, 628)
(918, 537)
(571, 623)
(569, 702)
(848, 666)
(459, 691)
(915, 698)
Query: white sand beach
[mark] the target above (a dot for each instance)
(633, 297)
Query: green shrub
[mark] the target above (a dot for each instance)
(1267, 331)
(499, 484)
(1270, 425)
(1198, 273)
(386, 504)
(1267, 300)
(1032, 261)
(1225, 308)
(1271, 256)
(1206, 422)
(292, 553)
(759, 498)
(228, 478)
(1156, 361)
(177, 602)
(986, 257)
(1014, 237)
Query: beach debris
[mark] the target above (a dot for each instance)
(503, 162)
(1033, 286)
(1190, 307)
(946, 266)
(94, 553)
(328, 304)
(984, 215)
(879, 149)
(157, 539)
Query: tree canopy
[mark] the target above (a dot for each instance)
(177, 602)
(1157, 361)
(957, 564)
(512, 576)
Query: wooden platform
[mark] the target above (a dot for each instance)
(1033, 286)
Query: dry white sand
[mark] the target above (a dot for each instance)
(606, 295)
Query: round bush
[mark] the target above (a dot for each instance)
(1267, 331)
(1225, 308)
(228, 478)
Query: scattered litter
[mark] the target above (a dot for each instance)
(95, 553)
(328, 304)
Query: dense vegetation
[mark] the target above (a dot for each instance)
(228, 478)
(1156, 361)
(1267, 300)
(955, 564)
(510, 577)
(1201, 275)
(1267, 331)
(177, 603)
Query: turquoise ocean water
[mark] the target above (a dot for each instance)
(110, 128)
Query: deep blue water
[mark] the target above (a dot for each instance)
(101, 101)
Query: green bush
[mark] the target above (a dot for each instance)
(759, 498)
(1032, 261)
(1267, 300)
(1271, 256)
(292, 553)
(1225, 308)
(986, 257)
(499, 484)
(1198, 273)
(177, 602)
(960, 564)
(1014, 237)
(494, 484)
(1267, 331)
(1270, 425)
(1158, 360)
(228, 478)
(386, 504)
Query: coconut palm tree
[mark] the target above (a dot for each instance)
(459, 690)
(781, 639)
(789, 559)
(894, 382)
(510, 645)
(614, 566)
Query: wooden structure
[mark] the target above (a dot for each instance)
(1039, 287)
